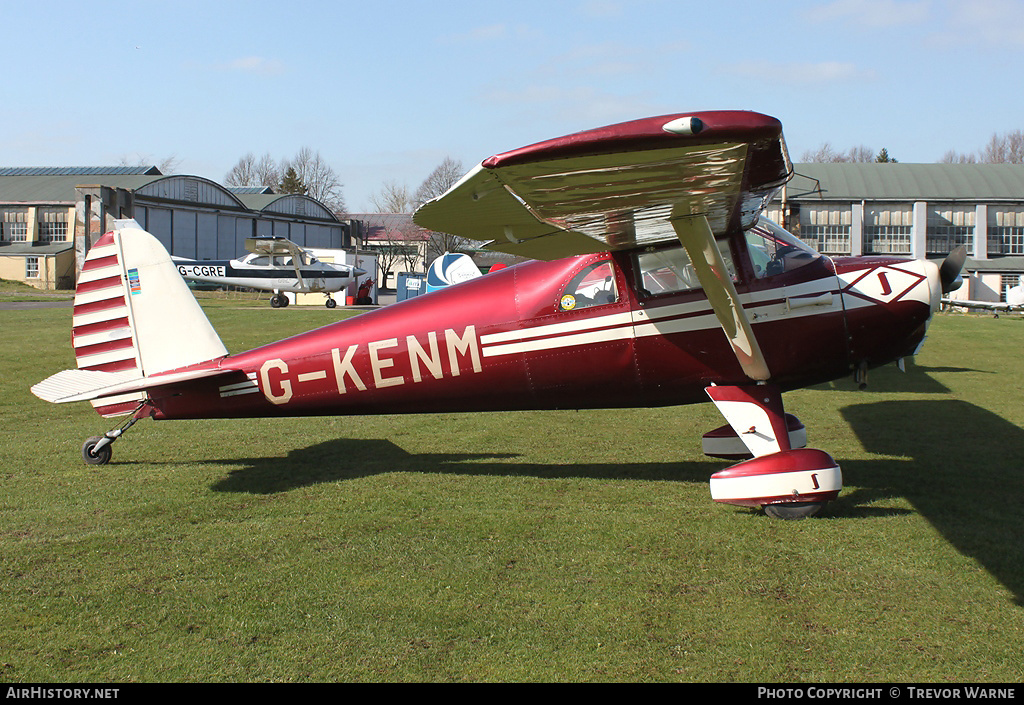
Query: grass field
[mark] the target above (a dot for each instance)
(554, 546)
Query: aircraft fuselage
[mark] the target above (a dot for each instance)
(509, 340)
(319, 276)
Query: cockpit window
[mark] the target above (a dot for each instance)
(774, 251)
(592, 286)
(667, 270)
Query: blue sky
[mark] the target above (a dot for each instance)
(385, 90)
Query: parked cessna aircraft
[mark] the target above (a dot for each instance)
(1014, 302)
(656, 282)
(273, 264)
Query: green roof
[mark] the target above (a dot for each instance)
(60, 188)
(870, 181)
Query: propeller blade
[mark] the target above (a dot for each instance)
(949, 272)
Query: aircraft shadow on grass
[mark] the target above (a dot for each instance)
(367, 457)
(959, 467)
(953, 461)
(890, 380)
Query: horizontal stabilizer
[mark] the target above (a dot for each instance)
(86, 385)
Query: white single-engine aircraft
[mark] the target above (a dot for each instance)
(273, 264)
(1014, 302)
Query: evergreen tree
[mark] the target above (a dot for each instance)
(292, 182)
(884, 158)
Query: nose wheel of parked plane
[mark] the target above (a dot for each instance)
(278, 301)
(331, 303)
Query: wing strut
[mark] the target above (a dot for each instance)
(279, 246)
(699, 242)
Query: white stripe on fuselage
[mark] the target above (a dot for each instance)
(762, 306)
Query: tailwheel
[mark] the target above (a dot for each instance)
(793, 510)
(97, 450)
(91, 456)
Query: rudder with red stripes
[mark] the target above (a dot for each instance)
(134, 315)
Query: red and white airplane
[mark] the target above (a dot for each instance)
(655, 281)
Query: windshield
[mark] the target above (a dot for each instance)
(774, 251)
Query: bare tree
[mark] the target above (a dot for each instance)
(308, 167)
(439, 243)
(826, 153)
(388, 256)
(319, 178)
(252, 172)
(1005, 149)
(393, 198)
(954, 157)
(440, 180)
(861, 154)
(243, 173)
(1001, 149)
(167, 165)
(266, 171)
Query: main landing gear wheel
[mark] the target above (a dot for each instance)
(100, 457)
(793, 510)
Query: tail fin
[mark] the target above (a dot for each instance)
(134, 317)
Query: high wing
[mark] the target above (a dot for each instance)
(279, 246)
(983, 305)
(696, 177)
(274, 246)
(619, 186)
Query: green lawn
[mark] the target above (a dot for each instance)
(550, 546)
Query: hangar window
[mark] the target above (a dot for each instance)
(1005, 230)
(592, 286)
(949, 226)
(53, 224)
(15, 225)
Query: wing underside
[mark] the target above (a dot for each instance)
(618, 187)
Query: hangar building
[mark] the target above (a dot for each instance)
(914, 210)
(50, 216)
